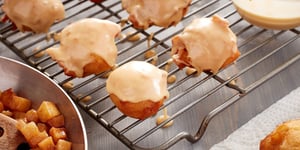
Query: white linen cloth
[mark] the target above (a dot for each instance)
(248, 136)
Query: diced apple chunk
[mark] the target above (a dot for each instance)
(42, 127)
(31, 132)
(63, 145)
(58, 133)
(7, 113)
(6, 97)
(13, 102)
(20, 104)
(58, 121)
(1, 106)
(18, 115)
(47, 111)
(31, 115)
(20, 124)
(47, 144)
(34, 141)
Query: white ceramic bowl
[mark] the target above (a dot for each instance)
(270, 14)
(30, 83)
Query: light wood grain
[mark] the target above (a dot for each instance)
(11, 137)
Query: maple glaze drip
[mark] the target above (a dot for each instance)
(164, 117)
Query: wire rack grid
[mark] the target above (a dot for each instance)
(187, 94)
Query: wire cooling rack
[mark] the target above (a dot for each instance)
(187, 94)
